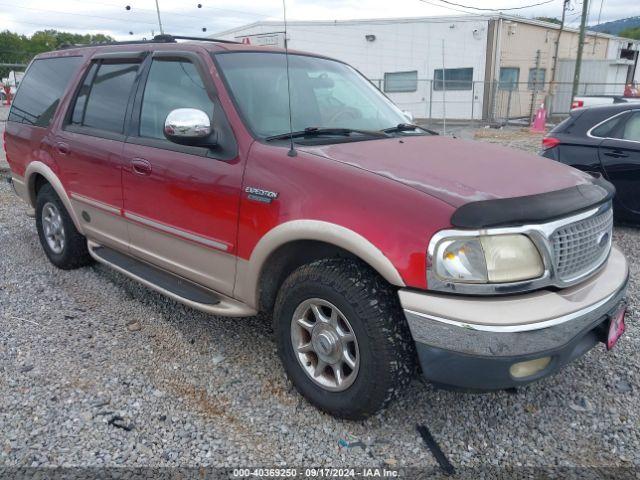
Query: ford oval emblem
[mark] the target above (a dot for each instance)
(603, 239)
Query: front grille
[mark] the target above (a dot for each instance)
(582, 246)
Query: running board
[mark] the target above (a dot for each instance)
(171, 285)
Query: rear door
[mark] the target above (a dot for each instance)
(620, 157)
(181, 202)
(90, 146)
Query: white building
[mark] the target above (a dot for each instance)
(485, 57)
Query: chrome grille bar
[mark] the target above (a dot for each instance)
(580, 247)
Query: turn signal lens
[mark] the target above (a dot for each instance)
(462, 260)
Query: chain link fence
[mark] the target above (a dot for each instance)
(491, 102)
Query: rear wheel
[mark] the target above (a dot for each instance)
(342, 337)
(65, 247)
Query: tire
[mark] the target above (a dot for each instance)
(368, 308)
(69, 253)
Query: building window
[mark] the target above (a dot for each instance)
(401, 81)
(454, 79)
(536, 78)
(509, 78)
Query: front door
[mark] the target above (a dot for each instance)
(181, 202)
(620, 157)
(89, 148)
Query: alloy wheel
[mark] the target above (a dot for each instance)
(325, 344)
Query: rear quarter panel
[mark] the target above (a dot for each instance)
(26, 143)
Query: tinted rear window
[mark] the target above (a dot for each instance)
(41, 89)
(103, 97)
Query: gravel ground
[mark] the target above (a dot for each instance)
(96, 370)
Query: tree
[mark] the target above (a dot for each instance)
(549, 20)
(20, 49)
(631, 32)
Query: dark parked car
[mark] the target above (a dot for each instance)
(603, 140)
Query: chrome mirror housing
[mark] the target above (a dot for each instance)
(187, 126)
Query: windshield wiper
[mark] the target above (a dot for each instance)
(407, 127)
(317, 131)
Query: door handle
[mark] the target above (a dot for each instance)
(616, 154)
(141, 166)
(62, 148)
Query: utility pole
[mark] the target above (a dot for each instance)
(534, 95)
(159, 20)
(554, 67)
(583, 24)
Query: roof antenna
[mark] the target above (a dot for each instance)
(292, 151)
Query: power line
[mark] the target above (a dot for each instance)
(238, 12)
(495, 9)
(74, 14)
(448, 8)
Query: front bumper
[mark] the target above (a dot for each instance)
(472, 342)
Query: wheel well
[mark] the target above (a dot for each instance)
(287, 258)
(37, 183)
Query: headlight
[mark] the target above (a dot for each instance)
(487, 259)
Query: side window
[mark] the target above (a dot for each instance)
(83, 94)
(170, 85)
(606, 129)
(632, 128)
(41, 89)
(102, 100)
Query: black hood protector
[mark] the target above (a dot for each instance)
(540, 208)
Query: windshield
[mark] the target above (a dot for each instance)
(324, 94)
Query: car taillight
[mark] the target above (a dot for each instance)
(549, 142)
(577, 104)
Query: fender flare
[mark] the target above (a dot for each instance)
(50, 176)
(249, 276)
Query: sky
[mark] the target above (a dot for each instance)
(184, 17)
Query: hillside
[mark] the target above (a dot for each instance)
(616, 26)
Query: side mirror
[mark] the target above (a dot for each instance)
(188, 126)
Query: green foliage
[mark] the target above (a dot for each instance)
(633, 32)
(16, 48)
(549, 19)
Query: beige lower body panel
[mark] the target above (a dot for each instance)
(534, 310)
(201, 264)
(107, 228)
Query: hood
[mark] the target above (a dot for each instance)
(455, 171)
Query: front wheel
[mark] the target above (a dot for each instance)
(342, 338)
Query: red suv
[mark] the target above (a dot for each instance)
(236, 180)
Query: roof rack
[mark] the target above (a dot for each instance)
(157, 39)
(199, 39)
